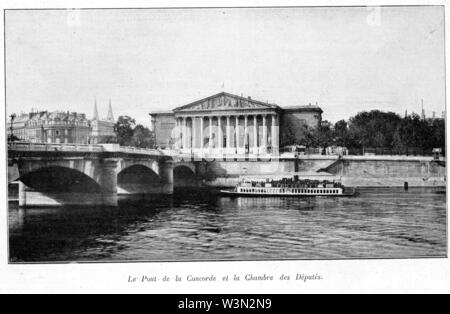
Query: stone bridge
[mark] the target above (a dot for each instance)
(56, 174)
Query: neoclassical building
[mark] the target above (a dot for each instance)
(229, 124)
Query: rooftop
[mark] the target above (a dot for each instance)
(303, 108)
(161, 113)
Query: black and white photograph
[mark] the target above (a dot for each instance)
(205, 134)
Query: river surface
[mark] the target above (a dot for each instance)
(201, 225)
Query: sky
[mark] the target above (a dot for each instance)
(346, 59)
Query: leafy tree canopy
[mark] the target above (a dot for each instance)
(130, 134)
(375, 129)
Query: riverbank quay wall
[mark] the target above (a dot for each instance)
(355, 171)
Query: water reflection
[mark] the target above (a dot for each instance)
(379, 223)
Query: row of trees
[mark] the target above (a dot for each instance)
(375, 129)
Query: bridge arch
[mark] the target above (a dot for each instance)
(184, 176)
(56, 186)
(59, 179)
(138, 179)
(147, 163)
(90, 168)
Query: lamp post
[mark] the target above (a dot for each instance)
(11, 127)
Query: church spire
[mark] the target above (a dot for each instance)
(95, 117)
(110, 113)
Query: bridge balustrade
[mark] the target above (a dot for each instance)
(54, 147)
(80, 148)
(139, 150)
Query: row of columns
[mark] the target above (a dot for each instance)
(183, 139)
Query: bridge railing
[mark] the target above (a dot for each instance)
(27, 146)
(139, 150)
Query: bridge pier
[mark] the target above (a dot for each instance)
(22, 194)
(166, 174)
(108, 182)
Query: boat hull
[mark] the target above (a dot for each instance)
(241, 194)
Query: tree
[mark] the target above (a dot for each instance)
(130, 134)
(340, 133)
(438, 133)
(288, 137)
(124, 130)
(373, 129)
(325, 134)
(310, 136)
(142, 137)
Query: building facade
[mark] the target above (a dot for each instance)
(59, 127)
(51, 127)
(295, 119)
(162, 125)
(229, 124)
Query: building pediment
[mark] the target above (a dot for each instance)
(225, 101)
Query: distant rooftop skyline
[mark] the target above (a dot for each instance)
(346, 59)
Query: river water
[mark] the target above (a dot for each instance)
(201, 225)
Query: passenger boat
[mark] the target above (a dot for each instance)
(288, 187)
